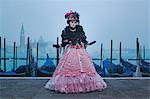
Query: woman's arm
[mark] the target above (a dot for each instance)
(82, 34)
(65, 38)
(83, 37)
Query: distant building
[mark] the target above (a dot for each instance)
(44, 47)
(22, 37)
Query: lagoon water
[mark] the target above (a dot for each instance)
(126, 54)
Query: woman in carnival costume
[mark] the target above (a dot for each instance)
(75, 71)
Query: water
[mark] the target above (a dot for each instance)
(126, 54)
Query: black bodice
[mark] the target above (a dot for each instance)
(75, 37)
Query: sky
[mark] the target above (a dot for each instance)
(102, 20)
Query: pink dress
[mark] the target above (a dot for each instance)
(75, 73)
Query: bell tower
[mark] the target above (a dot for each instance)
(22, 37)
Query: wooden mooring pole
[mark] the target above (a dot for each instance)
(101, 55)
(120, 53)
(0, 52)
(37, 55)
(14, 58)
(138, 72)
(30, 55)
(4, 55)
(28, 58)
(144, 52)
(111, 56)
(57, 51)
(138, 52)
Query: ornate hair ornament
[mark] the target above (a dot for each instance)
(71, 16)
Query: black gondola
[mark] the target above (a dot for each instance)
(145, 68)
(21, 71)
(117, 70)
(128, 65)
(47, 69)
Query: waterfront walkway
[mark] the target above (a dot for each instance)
(34, 89)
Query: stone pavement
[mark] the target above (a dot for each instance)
(34, 89)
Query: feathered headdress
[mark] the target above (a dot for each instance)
(72, 16)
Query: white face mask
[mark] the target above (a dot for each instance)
(73, 24)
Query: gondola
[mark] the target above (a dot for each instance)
(117, 70)
(11, 74)
(21, 71)
(99, 69)
(26, 68)
(143, 62)
(129, 68)
(47, 69)
(145, 68)
(128, 65)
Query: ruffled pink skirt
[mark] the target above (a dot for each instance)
(75, 73)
